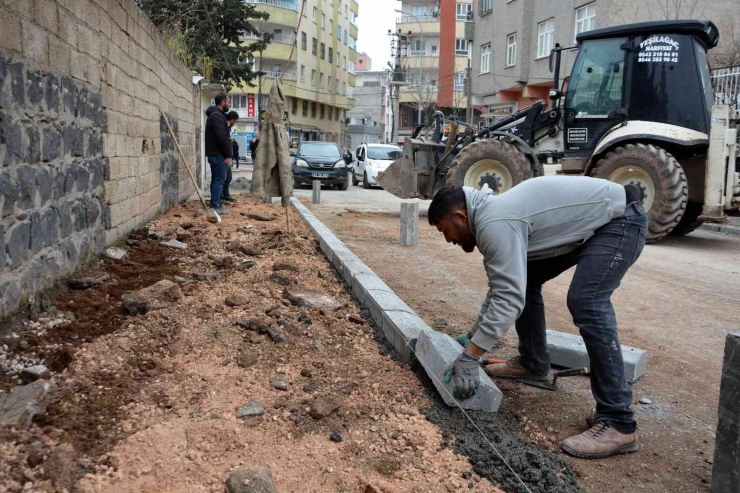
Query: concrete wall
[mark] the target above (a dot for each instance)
(85, 154)
(529, 79)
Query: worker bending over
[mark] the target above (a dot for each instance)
(532, 234)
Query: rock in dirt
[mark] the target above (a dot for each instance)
(205, 276)
(252, 408)
(278, 336)
(133, 243)
(236, 300)
(162, 294)
(312, 299)
(246, 265)
(26, 402)
(187, 225)
(115, 254)
(257, 480)
(233, 246)
(212, 219)
(261, 217)
(304, 319)
(175, 244)
(226, 262)
(254, 325)
(245, 360)
(645, 400)
(251, 251)
(356, 320)
(323, 407)
(33, 373)
(87, 282)
(285, 265)
(335, 437)
(282, 278)
(279, 382)
(440, 323)
(319, 346)
(240, 183)
(184, 236)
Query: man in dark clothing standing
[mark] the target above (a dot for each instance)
(253, 146)
(231, 119)
(218, 148)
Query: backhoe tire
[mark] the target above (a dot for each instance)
(657, 174)
(690, 221)
(499, 164)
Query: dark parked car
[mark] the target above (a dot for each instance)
(321, 161)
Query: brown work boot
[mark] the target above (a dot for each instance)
(513, 368)
(600, 441)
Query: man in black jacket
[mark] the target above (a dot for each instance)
(231, 119)
(218, 147)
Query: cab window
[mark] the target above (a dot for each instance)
(595, 88)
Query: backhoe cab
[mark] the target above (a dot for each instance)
(637, 109)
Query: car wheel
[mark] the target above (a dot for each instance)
(365, 183)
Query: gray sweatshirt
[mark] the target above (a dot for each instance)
(539, 218)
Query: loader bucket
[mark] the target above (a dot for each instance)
(398, 178)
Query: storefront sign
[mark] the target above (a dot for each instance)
(251, 106)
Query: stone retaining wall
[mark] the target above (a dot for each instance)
(85, 155)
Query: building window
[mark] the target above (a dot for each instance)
(331, 55)
(305, 108)
(338, 59)
(545, 38)
(322, 52)
(321, 80)
(331, 113)
(344, 63)
(346, 9)
(459, 82)
(511, 50)
(351, 67)
(485, 6)
(339, 33)
(485, 58)
(336, 114)
(461, 47)
(313, 77)
(419, 11)
(313, 109)
(345, 36)
(336, 86)
(462, 11)
(303, 73)
(294, 108)
(328, 83)
(585, 19)
(323, 21)
(331, 26)
(314, 15)
(352, 43)
(418, 47)
(314, 45)
(321, 111)
(304, 41)
(344, 88)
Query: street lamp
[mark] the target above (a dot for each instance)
(421, 58)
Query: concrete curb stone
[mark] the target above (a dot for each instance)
(436, 352)
(730, 230)
(569, 350)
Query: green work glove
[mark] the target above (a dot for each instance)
(465, 371)
(464, 339)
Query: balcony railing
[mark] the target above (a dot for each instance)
(277, 38)
(276, 75)
(423, 53)
(423, 18)
(283, 4)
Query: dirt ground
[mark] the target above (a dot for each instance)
(678, 302)
(149, 403)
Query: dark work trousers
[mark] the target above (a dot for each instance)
(218, 174)
(601, 263)
(227, 181)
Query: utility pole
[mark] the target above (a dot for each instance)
(469, 91)
(399, 46)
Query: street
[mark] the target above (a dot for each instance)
(678, 302)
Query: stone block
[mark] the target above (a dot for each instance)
(43, 185)
(73, 140)
(24, 403)
(34, 90)
(32, 144)
(59, 55)
(402, 329)
(569, 351)
(378, 302)
(8, 193)
(409, 223)
(436, 352)
(11, 36)
(52, 144)
(26, 187)
(45, 14)
(3, 258)
(35, 43)
(17, 83)
(363, 282)
(11, 134)
(316, 189)
(726, 469)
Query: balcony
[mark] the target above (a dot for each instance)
(277, 75)
(421, 61)
(429, 24)
(275, 38)
(283, 12)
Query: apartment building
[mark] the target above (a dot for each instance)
(436, 60)
(318, 79)
(370, 119)
(513, 39)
